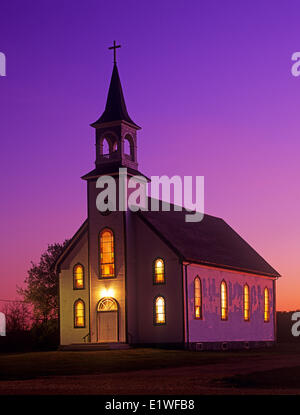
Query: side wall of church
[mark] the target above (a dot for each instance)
(143, 247)
(211, 328)
(67, 295)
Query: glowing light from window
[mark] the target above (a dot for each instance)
(78, 276)
(79, 314)
(159, 269)
(198, 298)
(246, 303)
(224, 304)
(267, 305)
(107, 260)
(160, 313)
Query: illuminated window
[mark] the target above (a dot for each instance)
(107, 258)
(267, 305)
(160, 310)
(108, 304)
(246, 303)
(224, 303)
(78, 275)
(159, 271)
(79, 314)
(198, 298)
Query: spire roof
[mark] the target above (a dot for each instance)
(115, 109)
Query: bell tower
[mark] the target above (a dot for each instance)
(116, 133)
(116, 147)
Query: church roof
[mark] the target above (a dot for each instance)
(115, 109)
(209, 242)
(71, 243)
(110, 169)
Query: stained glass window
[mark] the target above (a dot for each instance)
(79, 314)
(267, 305)
(107, 258)
(198, 298)
(224, 303)
(78, 276)
(107, 304)
(246, 303)
(159, 271)
(160, 310)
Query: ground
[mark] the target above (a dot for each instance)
(152, 371)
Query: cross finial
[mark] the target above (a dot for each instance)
(114, 47)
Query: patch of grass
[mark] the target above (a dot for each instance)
(65, 363)
(282, 378)
(59, 363)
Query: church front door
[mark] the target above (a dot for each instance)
(107, 321)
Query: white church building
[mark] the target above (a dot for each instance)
(151, 278)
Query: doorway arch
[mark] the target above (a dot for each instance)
(107, 320)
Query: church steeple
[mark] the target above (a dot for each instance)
(116, 133)
(115, 109)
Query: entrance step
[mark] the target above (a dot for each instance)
(94, 346)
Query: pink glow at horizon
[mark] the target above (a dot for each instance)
(209, 82)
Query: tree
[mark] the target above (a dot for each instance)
(18, 316)
(42, 285)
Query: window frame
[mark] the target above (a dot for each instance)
(112, 140)
(128, 137)
(201, 298)
(106, 228)
(74, 314)
(266, 289)
(226, 296)
(154, 272)
(244, 302)
(155, 323)
(102, 300)
(83, 277)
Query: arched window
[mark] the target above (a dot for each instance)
(266, 305)
(107, 304)
(127, 149)
(106, 150)
(79, 314)
(198, 298)
(159, 271)
(108, 144)
(78, 277)
(115, 146)
(246, 303)
(159, 310)
(224, 301)
(107, 256)
(129, 146)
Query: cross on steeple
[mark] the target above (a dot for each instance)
(114, 47)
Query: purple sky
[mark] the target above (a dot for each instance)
(209, 82)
